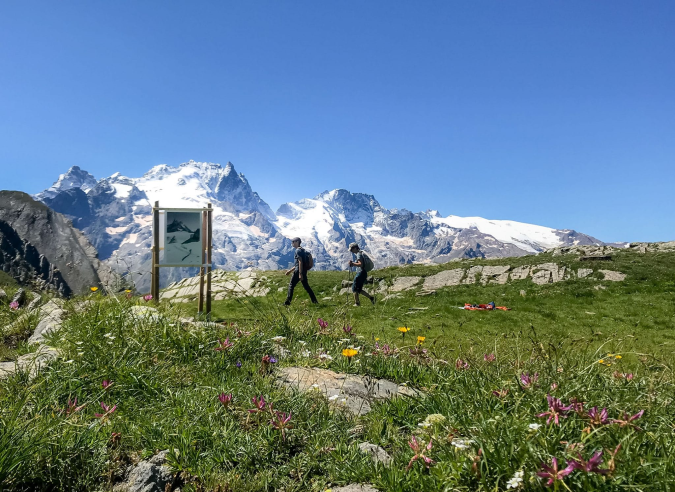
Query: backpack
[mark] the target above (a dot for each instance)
(368, 264)
(307, 259)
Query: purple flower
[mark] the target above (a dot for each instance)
(626, 420)
(555, 410)
(147, 297)
(225, 399)
(528, 381)
(223, 345)
(14, 305)
(259, 404)
(108, 410)
(629, 376)
(552, 472)
(598, 417)
(461, 364)
(489, 357)
(420, 451)
(105, 384)
(501, 393)
(347, 329)
(238, 364)
(576, 406)
(590, 466)
(273, 360)
(281, 421)
(72, 407)
(323, 324)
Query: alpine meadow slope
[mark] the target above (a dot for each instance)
(115, 214)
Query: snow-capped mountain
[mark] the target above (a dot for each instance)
(115, 214)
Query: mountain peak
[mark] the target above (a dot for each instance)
(75, 177)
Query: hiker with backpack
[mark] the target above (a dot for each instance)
(303, 262)
(364, 264)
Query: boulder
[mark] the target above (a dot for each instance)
(378, 454)
(51, 315)
(19, 297)
(147, 476)
(584, 272)
(613, 276)
(495, 275)
(32, 362)
(355, 487)
(404, 283)
(445, 278)
(357, 391)
(520, 273)
(542, 277)
(472, 274)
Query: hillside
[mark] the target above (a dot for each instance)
(412, 394)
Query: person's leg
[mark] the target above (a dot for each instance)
(372, 298)
(291, 286)
(357, 286)
(356, 299)
(309, 290)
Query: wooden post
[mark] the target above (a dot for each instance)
(154, 289)
(200, 308)
(209, 247)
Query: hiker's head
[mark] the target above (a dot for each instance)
(354, 248)
(296, 242)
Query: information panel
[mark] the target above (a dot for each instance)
(183, 239)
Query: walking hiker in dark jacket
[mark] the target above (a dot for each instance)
(299, 273)
(361, 276)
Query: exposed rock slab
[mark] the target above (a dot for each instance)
(378, 454)
(51, 316)
(613, 276)
(147, 476)
(32, 362)
(584, 272)
(520, 273)
(355, 487)
(404, 283)
(471, 275)
(495, 275)
(358, 391)
(445, 278)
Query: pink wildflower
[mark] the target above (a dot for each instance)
(72, 407)
(420, 451)
(280, 421)
(461, 364)
(555, 410)
(598, 417)
(225, 399)
(224, 345)
(590, 466)
(14, 305)
(108, 410)
(105, 384)
(527, 381)
(489, 357)
(147, 297)
(554, 386)
(323, 324)
(552, 472)
(626, 420)
(260, 405)
(629, 376)
(501, 393)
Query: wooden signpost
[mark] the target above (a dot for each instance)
(180, 240)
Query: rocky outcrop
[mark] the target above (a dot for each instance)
(224, 285)
(151, 475)
(52, 237)
(353, 392)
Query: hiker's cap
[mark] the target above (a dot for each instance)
(352, 246)
(296, 239)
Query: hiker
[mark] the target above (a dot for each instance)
(299, 273)
(361, 262)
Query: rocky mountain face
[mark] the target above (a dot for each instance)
(38, 245)
(115, 214)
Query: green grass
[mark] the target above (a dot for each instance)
(166, 378)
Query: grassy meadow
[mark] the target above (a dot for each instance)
(570, 390)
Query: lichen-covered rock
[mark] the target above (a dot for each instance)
(147, 476)
(584, 272)
(495, 274)
(404, 283)
(613, 276)
(520, 273)
(378, 454)
(445, 278)
(472, 274)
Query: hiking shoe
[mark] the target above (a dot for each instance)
(356, 305)
(287, 303)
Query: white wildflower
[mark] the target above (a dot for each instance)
(534, 427)
(306, 353)
(334, 397)
(278, 339)
(516, 481)
(461, 444)
(325, 357)
(424, 425)
(302, 342)
(69, 361)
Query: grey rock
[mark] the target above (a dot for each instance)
(355, 487)
(147, 476)
(424, 293)
(51, 316)
(613, 276)
(523, 293)
(495, 274)
(600, 287)
(584, 272)
(19, 297)
(472, 274)
(378, 454)
(520, 273)
(445, 278)
(32, 362)
(35, 303)
(404, 283)
(542, 277)
(358, 391)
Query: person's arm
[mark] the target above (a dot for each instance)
(289, 271)
(301, 266)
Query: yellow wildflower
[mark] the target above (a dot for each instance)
(349, 353)
(601, 361)
(617, 356)
(403, 329)
(93, 289)
(421, 339)
(376, 339)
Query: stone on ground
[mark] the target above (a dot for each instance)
(147, 476)
(378, 454)
(51, 316)
(520, 273)
(445, 278)
(495, 275)
(584, 272)
(355, 487)
(472, 273)
(404, 283)
(358, 391)
(613, 276)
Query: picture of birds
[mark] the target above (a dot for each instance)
(183, 244)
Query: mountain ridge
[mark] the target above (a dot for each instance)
(115, 214)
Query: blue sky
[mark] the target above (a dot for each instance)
(554, 113)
